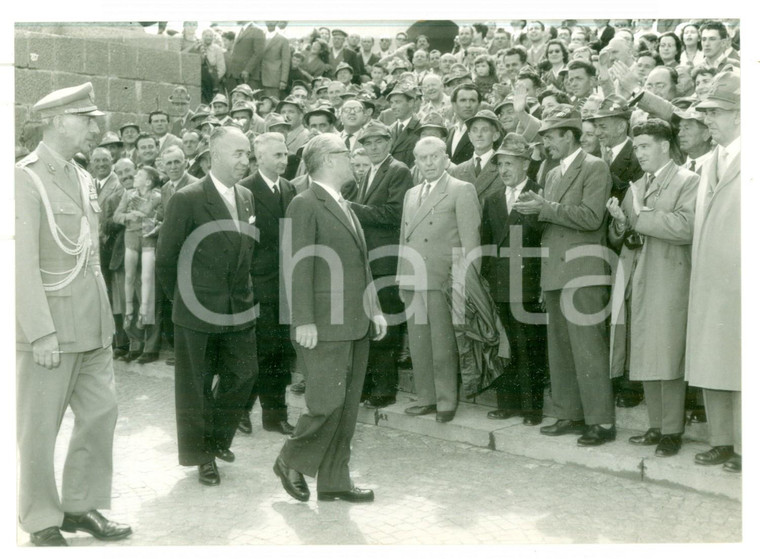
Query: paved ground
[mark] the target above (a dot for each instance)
(428, 491)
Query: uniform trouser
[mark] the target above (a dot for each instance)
(724, 418)
(521, 387)
(206, 422)
(433, 347)
(321, 444)
(579, 365)
(274, 351)
(85, 382)
(382, 368)
(665, 402)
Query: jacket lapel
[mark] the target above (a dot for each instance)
(335, 209)
(376, 180)
(486, 177)
(218, 209)
(265, 197)
(245, 212)
(568, 178)
(661, 181)
(440, 192)
(69, 185)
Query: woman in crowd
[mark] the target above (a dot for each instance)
(691, 55)
(669, 49)
(317, 61)
(555, 58)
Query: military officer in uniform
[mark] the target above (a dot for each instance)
(63, 330)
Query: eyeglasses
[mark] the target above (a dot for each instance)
(341, 152)
(351, 110)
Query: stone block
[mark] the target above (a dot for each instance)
(195, 96)
(100, 87)
(32, 85)
(96, 61)
(122, 95)
(21, 114)
(69, 54)
(122, 60)
(149, 98)
(67, 79)
(158, 65)
(191, 69)
(21, 50)
(42, 52)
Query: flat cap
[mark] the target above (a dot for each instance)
(561, 116)
(275, 119)
(77, 100)
(723, 93)
(374, 128)
(179, 95)
(516, 145)
(484, 115)
(110, 138)
(220, 98)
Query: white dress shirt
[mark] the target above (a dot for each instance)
(513, 193)
(617, 149)
(271, 184)
(227, 194)
(727, 154)
(567, 161)
(485, 158)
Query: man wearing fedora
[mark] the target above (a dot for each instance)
(338, 53)
(515, 282)
(129, 132)
(64, 330)
(574, 280)
(402, 102)
(481, 170)
(180, 109)
(713, 338)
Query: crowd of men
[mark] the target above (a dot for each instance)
(547, 162)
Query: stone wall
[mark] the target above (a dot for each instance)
(131, 71)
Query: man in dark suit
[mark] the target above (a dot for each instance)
(332, 313)
(515, 282)
(465, 99)
(574, 210)
(245, 59)
(611, 127)
(378, 207)
(275, 62)
(439, 226)
(480, 170)
(271, 195)
(213, 303)
(159, 125)
(403, 136)
(338, 54)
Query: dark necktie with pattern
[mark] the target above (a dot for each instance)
(478, 167)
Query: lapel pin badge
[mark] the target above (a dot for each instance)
(252, 220)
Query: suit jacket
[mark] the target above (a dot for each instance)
(464, 150)
(301, 183)
(268, 210)
(624, 169)
(109, 197)
(169, 140)
(275, 62)
(219, 274)
(447, 221)
(180, 124)
(486, 183)
(574, 213)
(402, 144)
(247, 52)
(79, 314)
(168, 190)
(378, 207)
(317, 292)
(497, 229)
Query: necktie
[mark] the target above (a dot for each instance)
(346, 210)
(693, 166)
(98, 186)
(510, 198)
(276, 189)
(607, 155)
(478, 167)
(424, 192)
(348, 141)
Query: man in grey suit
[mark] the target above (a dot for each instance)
(245, 59)
(439, 230)
(333, 309)
(481, 170)
(275, 62)
(575, 274)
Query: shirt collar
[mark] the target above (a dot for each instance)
(337, 196)
(485, 158)
(223, 189)
(376, 167)
(434, 183)
(618, 148)
(270, 184)
(699, 161)
(405, 123)
(732, 149)
(567, 161)
(519, 187)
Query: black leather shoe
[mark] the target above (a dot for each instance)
(225, 454)
(651, 437)
(96, 525)
(532, 419)
(375, 402)
(420, 410)
(298, 387)
(245, 424)
(734, 464)
(628, 399)
(444, 416)
(716, 455)
(49, 537)
(698, 415)
(208, 473)
(132, 355)
(564, 427)
(501, 414)
(148, 357)
(669, 446)
(120, 352)
(292, 481)
(356, 495)
(279, 427)
(596, 435)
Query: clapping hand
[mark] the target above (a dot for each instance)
(529, 202)
(520, 97)
(613, 206)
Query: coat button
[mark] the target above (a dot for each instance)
(425, 240)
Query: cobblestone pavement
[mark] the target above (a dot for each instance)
(428, 491)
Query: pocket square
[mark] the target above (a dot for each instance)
(252, 220)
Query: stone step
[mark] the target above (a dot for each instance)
(470, 426)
